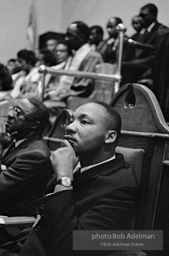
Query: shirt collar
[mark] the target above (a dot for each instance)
(148, 29)
(18, 142)
(151, 27)
(83, 169)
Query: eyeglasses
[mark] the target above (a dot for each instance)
(15, 111)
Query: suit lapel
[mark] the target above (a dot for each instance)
(8, 154)
(8, 149)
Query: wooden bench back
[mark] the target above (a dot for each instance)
(144, 127)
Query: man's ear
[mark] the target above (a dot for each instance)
(81, 37)
(111, 137)
(35, 125)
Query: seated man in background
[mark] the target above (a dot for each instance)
(27, 80)
(102, 195)
(12, 66)
(96, 36)
(25, 159)
(64, 58)
(51, 100)
(108, 48)
(136, 23)
(45, 57)
(29, 85)
(51, 44)
(84, 59)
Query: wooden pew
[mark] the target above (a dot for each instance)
(144, 127)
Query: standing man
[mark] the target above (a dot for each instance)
(140, 68)
(103, 195)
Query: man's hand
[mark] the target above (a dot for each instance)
(64, 160)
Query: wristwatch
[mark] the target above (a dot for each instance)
(65, 181)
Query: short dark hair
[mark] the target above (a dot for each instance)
(83, 29)
(51, 38)
(153, 10)
(49, 58)
(114, 121)
(99, 29)
(118, 20)
(11, 60)
(41, 113)
(28, 56)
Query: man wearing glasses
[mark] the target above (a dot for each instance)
(25, 160)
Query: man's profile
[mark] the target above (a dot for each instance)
(24, 158)
(102, 195)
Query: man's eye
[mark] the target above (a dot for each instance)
(83, 121)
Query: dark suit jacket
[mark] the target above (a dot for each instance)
(161, 74)
(143, 61)
(104, 198)
(24, 180)
(148, 38)
(109, 53)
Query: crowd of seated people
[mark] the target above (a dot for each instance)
(83, 48)
(137, 61)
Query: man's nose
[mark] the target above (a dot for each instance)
(71, 128)
(10, 113)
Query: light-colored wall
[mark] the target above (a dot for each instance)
(98, 11)
(14, 16)
(55, 15)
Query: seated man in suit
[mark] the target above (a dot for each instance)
(24, 159)
(83, 59)
(102, 195)
(136, 23)
(108, 48)
(96, 36)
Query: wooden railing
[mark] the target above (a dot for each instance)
(116, 78)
